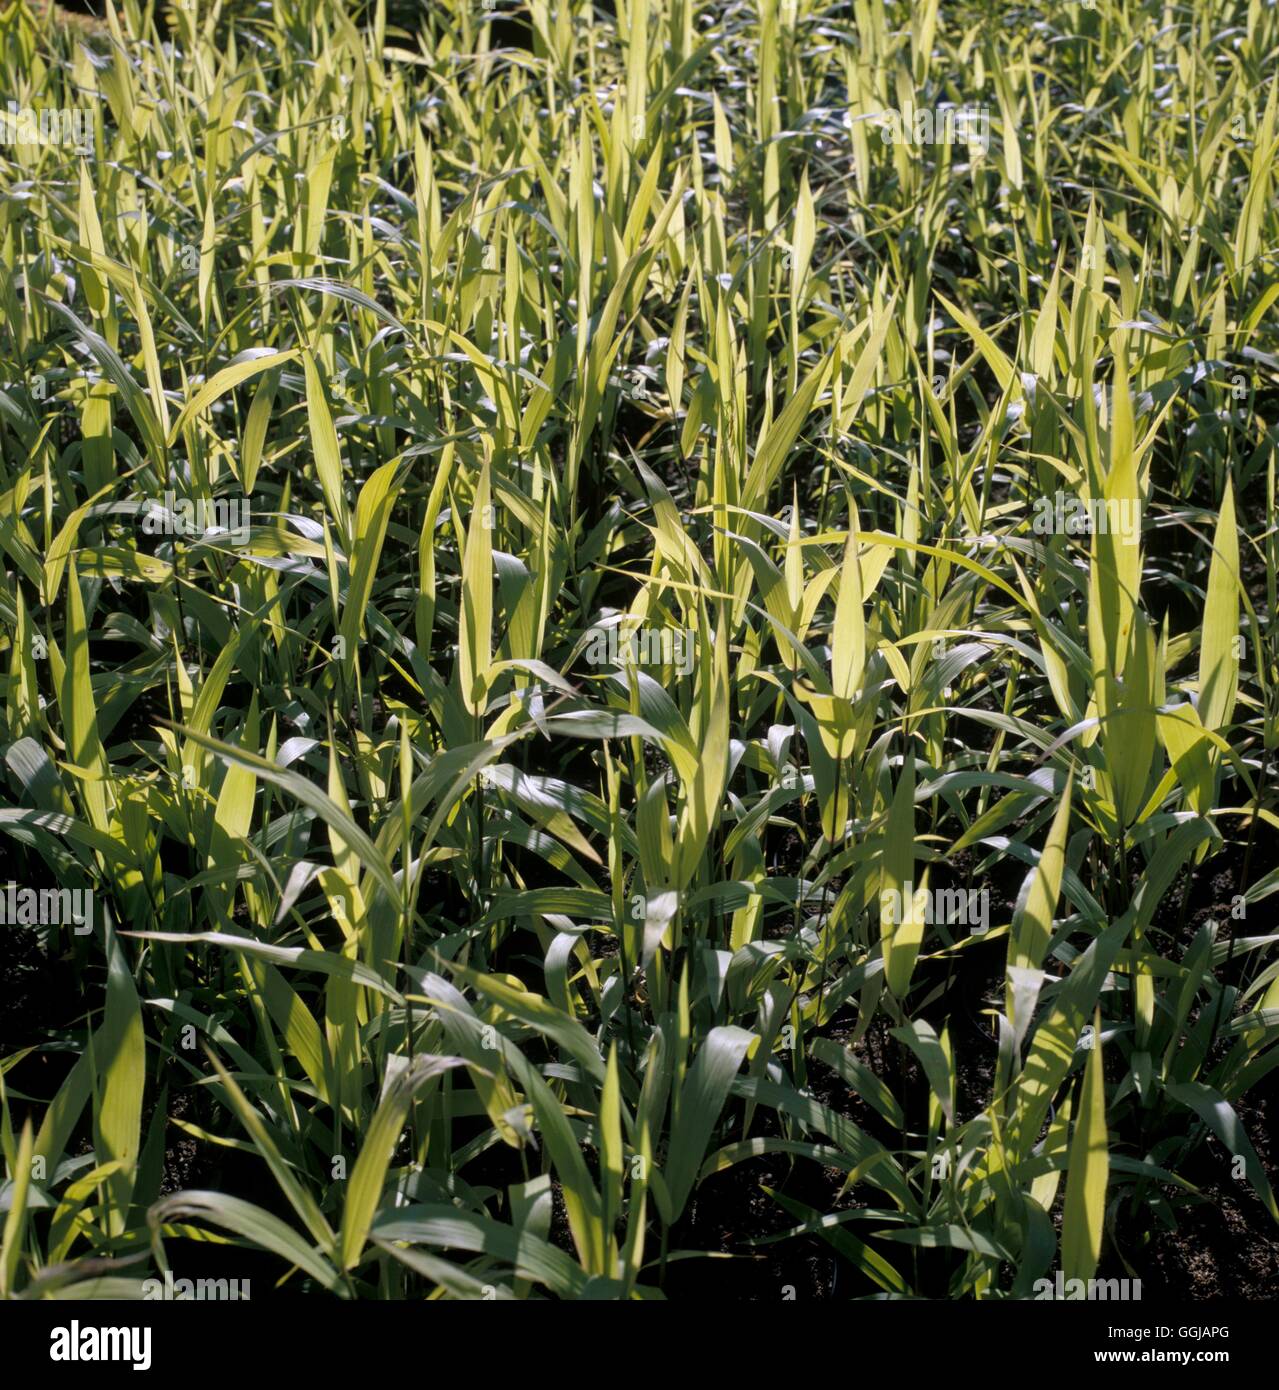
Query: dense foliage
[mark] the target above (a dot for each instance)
(633, 638)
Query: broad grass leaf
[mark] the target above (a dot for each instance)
(251, 1223)
(1085, 1209)
(697, 1108)
(364, 1186)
